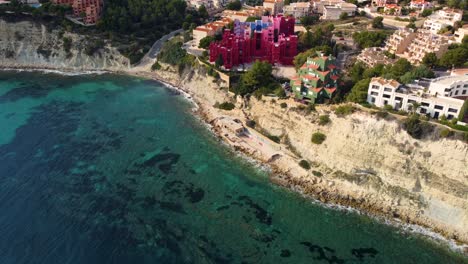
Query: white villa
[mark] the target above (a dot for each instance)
(439, 97)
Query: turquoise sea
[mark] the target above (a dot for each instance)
(114, 169)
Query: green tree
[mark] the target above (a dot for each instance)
(419, 72)
(358, 93)
(399, 68)
(205, 42)
(235, 5)
(455, 57)
(202, 12)
(258, 77)
(430, 59)
(219, 61)
(426, 12)
(366, 39)
(463, 116)
(309, 20)
(377, 22)
(343, 16)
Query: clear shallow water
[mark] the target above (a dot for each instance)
(112, 169)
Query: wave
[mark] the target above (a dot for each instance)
(394, 222)
(59, 72)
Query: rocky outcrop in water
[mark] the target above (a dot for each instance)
(27, 44)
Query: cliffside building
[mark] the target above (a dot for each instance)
(298, 10)
(273, 6)
(439, 97)
(414, 46)
(317, 80)
(271, 39)
(89, 10)
(442, 19)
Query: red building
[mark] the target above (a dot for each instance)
(271, 39)
(89, 10)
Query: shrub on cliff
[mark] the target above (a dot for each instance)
(283, 105)
(344, 110)
(445, 133)
(225, 106)
(250, 123)
(155, 66)
(304, 164)
(323, 120)
(318, 138)
(417, 128)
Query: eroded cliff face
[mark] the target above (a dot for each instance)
(374, 160)
(365, 162)
(27, 44)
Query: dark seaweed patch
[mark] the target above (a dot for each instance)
(361, 253)
(34, 91)
(194, 195)
(165, 161)
(285, 253)
(221, 208)
(262, 215)
(320, 253)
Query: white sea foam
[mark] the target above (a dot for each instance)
(59, 72)
(395, 222)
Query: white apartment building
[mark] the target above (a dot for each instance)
(420, 4)
(274, 6)
(333, 12)
(298, 10)
(461, 33)
(436, 100)
(441, 19)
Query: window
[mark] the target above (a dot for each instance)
(439, 107)
(450, 116)
(464, 92)
(465, 86)
(425, 104)
(411, 101)
(372, 99)
(456, 92)
(374, 93)
(375, 87)
(387, 89)
(386, 96)
(422, 110)
(399, 98)
(452, 110)
(385, 102)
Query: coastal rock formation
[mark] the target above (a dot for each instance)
(365, 162)
(27, 44)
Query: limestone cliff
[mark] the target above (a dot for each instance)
(27, 44)
(365, 162)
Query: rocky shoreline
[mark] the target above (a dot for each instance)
(321, 189)
(316, 188)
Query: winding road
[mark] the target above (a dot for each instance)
(151, 55)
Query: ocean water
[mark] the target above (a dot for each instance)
(114, 169)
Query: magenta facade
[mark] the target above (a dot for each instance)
(271, 39)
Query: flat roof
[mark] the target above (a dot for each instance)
(447, 80)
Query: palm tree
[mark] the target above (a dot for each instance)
(415, 107)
